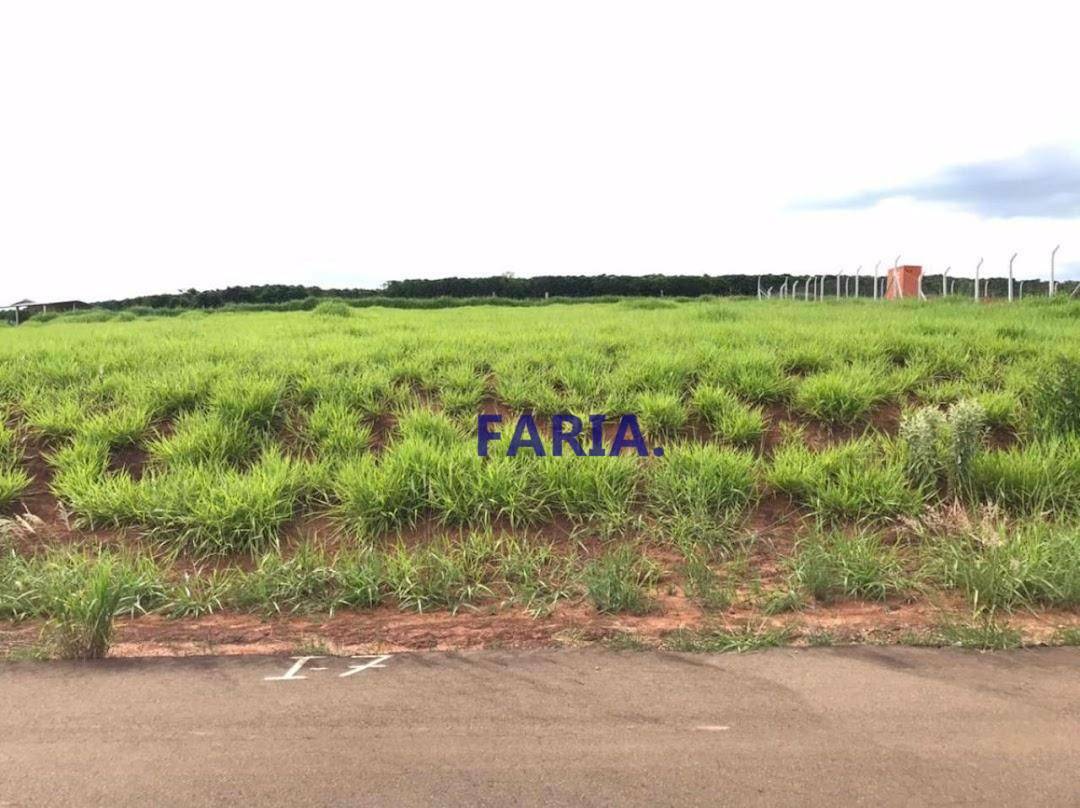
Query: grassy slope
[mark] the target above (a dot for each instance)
(238, 436)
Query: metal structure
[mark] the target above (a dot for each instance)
(1011, 276)
(977, 267)
(1053, 254)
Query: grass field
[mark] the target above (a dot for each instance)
(912, 467)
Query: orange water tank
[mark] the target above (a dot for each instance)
(903, 282)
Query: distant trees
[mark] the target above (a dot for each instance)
(233, 295)
(508, 288)
(580, 286)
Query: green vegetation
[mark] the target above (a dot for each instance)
(324, 459)
(832, 565)
(719, 640)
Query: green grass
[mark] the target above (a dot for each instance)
(728, 418)
(843, 396)
(701, 479)
(980, 635)
(256, 426)
(1004, 567)
(620, 580)
(860, 481)
(13, 482)
(723, 640)
(833, 566)
(660, 414)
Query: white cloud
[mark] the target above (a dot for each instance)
(147, 148)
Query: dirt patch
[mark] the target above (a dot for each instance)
(130, 460)
(819, 435)
(388, 630)
(382, 432)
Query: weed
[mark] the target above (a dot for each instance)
(745, 638)
(660, 414)
(620, 580)
(833, 565)
(701, 479)
(982, 635)
(999, 566)
(703, 584)
(729, 418)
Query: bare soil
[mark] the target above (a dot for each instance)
(774, 523)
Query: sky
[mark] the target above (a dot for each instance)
(149, 147)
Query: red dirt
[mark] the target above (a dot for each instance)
(773, 524)
(387, 629)
(130, 460)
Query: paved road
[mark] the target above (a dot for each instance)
(869, 726)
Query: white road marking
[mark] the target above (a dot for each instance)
(712, 728)
(292, 673)
(376, 662)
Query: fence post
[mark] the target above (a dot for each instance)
(1011, 277)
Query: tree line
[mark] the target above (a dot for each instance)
(507, 287)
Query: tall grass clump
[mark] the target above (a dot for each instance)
(13, 480)
(1055, 396)
(1000, 565)
(537, 575)
(600, 491)
(833, 565)
(201, 437)
(661, 414)
(702, 480)
(336, 432)
(863, 480)
(442, 574)
(1042, 477)
(728, 418)
(844, 395)
(753, 377)
(620, 580)
(332, 308)
(79, 593)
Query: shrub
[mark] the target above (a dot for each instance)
(941, 447)
(332, 308)
(922, 435)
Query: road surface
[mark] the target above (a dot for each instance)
(873, 726)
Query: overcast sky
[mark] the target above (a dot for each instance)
(149, 146)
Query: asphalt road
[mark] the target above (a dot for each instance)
(874, 726)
